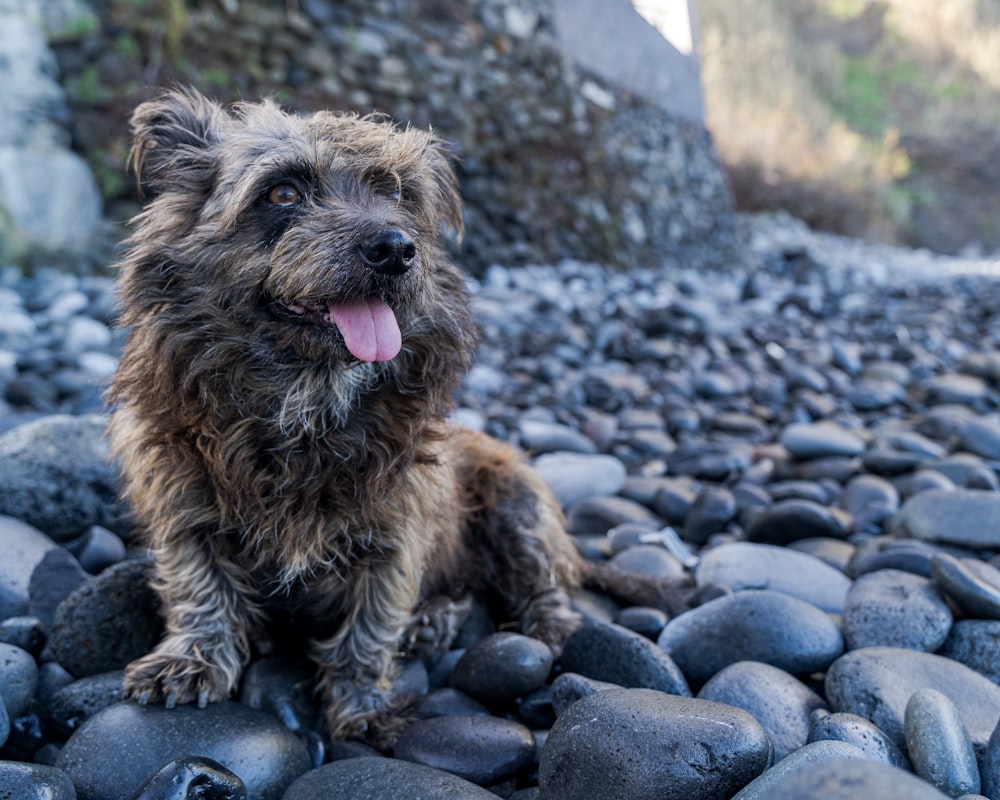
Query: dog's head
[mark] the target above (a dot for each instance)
(321, 231)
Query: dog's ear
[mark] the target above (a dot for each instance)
(442, 157)
(172, 137)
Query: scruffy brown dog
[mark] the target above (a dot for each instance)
(296, 335)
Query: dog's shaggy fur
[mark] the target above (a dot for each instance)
(283, 444)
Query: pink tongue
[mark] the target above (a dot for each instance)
(369, 329)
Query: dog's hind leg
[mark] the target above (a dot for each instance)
(517, 528)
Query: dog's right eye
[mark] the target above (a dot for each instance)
(284, 195)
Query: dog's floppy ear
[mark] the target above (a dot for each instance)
(442, 157)
(171, 138)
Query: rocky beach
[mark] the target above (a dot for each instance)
(811, 436)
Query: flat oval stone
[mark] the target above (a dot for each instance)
(791, 520)
(20, 781)
(982, 437)
(761, 787)
(891, 608)
(877, 682)
(23, 548)
(611, 653)
(483, 750)
(595, 516)
(754, 625)
(747, 565)
(939, 745)
(974, 585)
(18, 679)
(807, 440)
(965, 517)
(108, 621)
(374, 778)
(975, 643)
(549, 437)
(115, 752)
(848, 779)
(862, 734)
(575, 476)
(781, 703)
(637, 744)
(502, 666)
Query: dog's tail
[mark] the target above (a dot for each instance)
(673, 595)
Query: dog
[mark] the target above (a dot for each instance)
(296, 333)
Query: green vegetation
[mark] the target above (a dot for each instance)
(816, 102)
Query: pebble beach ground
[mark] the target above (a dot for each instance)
(812, 437)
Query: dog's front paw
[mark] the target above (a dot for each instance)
(434, 625)
(175, 679)
(379, 728)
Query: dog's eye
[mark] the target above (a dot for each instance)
(284, 194)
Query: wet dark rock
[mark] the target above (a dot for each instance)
(975, 643)
(790, 520)
(710, 513)
(55, 577)
(548, 437)
(480, 749)
(570, 687)
(753, 625)
(614, 654)
(781, 703)
(891, 608)
(76, 702)
(115, 752)
(382, 779)
(645, 621)
(939, 745)
(638, 744)
(55, 474)
(191, 777)
(973, 585)
(877, 683)
(108, 621)
(501, 667)
(27, 633)
(283, 688)
(862, 734)
(448, 702)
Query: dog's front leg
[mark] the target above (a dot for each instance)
(356, 665)
(210, 612)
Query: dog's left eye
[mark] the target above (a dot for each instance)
(284, 194)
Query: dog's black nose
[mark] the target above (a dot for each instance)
(391, 252)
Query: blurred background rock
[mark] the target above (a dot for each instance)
(580, 124)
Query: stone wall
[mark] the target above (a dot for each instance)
(556, 162)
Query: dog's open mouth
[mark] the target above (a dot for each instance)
(368, 325)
